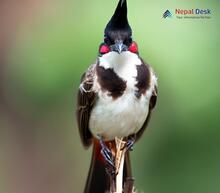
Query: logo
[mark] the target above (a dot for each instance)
(188, 13)
(166, 14)
(192, 11)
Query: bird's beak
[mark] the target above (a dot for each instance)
(119, 47)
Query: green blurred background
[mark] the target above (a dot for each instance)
(46, 45)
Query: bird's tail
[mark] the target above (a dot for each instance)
(98, 180)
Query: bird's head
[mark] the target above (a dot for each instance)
(118, 33)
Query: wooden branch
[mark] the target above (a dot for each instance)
(117, 185)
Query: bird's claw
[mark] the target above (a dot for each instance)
(129, 144)
(107, 154)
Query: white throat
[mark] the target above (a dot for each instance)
(115, 60)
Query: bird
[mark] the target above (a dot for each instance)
(115, 98)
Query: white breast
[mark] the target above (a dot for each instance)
(124, 115)
(121, 117)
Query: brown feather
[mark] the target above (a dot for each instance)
(86, 100)
(143, 79)
(111, 82)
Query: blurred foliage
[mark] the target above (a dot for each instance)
(48, 52)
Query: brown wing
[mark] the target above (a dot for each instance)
(152, 104)
(86, 99)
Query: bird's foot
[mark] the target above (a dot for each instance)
(107, 155)
(129, 143)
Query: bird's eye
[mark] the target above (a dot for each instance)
(104, 49)
(133, 47)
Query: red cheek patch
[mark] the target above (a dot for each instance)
(104, 49)
(133, 47)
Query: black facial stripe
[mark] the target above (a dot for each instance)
(110, 81)
(143, 79)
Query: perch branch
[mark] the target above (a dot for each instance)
(117, 185)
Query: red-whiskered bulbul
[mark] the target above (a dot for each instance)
(115, 99)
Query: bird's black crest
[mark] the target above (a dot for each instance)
(119, 21)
